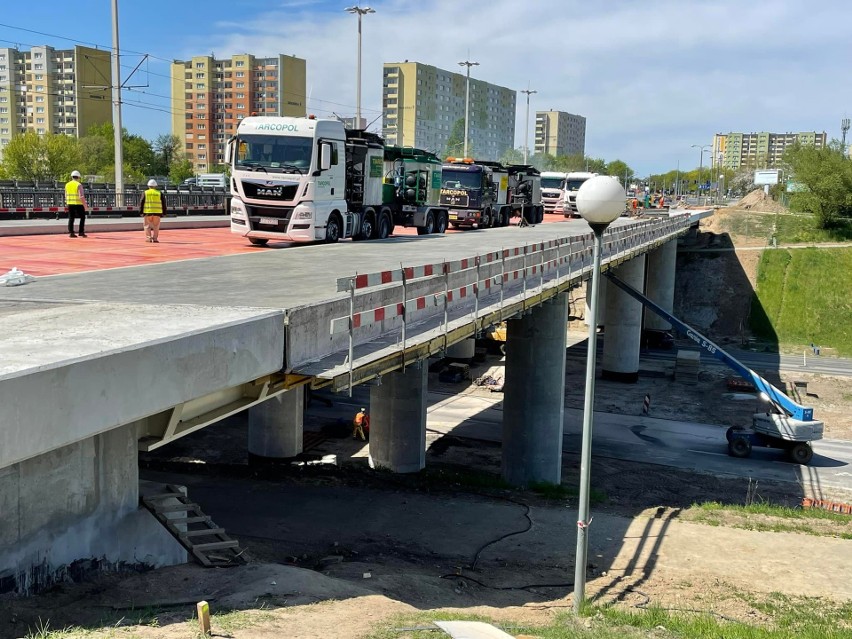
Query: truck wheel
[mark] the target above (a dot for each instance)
(441, 224)
(800, 453)
(259, 241)
(368, 226)
(485, 220)
(333, 228)
(540, 216)
(383, 228)
(429, 227)
(739, 447)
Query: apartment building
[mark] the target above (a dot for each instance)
(421, 105)
(211, 95)
(560, 133)
(49, 90)
(758, 150)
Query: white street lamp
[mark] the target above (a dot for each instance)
(600, 200)
(361, 12)
(527, 123)
(704, 149)
(468, 64)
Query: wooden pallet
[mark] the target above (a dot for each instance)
(208, 544)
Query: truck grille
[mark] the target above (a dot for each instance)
(262, 191)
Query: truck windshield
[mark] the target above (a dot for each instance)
(552, 182)
(572, 184)
(451, 179)
(274, 153)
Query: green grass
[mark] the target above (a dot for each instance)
(802, 296)
(765, 517)
(790, 228)
(792, 618)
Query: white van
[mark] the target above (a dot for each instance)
(212, 179)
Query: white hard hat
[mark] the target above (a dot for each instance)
(152, 183)
(75, 174)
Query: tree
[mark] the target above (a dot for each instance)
(826, 177)
(99, 146)
(455, 143)
(167, 148)
(30, 156)
(180, 169)
(619, 169)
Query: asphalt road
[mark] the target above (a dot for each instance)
(679, 444)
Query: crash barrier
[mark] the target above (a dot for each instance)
(30, 198)
(397, 300)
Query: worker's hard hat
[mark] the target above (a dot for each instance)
(75, 174)
(364, 409)
(152, 183)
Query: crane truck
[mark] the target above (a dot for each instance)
(483, 194)
(306, 180)
(788, 425)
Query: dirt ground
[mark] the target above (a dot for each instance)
(337, 551)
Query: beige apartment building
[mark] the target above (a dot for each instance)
(210, 96)
(421, 105)
(49, 90)
(560, 133)
(758, 150)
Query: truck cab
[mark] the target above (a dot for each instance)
(573, 182)
(552, 190)
(475, 193)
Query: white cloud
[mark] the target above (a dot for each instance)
(651, 77)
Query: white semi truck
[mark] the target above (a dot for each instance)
(573, 182)
(552, 190)
(306, 180)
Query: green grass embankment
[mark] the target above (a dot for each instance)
(805, 296)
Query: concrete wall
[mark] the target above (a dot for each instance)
(76, 503)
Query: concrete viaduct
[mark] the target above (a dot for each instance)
(97, 366)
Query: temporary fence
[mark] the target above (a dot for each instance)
(409, 295)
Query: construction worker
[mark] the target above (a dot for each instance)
(152, 207)
(75, 201)
(361, 425)
(634, 204)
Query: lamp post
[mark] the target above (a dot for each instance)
(600, 200)
(468, 64)
(361, 12)
(527, 123)
(703, 148)
(116, 110)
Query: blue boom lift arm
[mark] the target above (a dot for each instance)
(777, 397)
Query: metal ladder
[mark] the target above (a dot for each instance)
(208, 544)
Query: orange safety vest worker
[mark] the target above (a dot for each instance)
(153, 202)
(72, 193)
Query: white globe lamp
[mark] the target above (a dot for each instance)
(600, 200)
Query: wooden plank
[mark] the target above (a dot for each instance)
(217, 545)
(177, 521)
(204, 531)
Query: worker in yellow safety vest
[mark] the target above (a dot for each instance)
(152, 207)
(75, 202)
(361, 425)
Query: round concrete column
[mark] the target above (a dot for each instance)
(660, 285)
(398, 420)
(601, 311)
(463, 350)
(275, 426)
(623, 332)
(534, 395)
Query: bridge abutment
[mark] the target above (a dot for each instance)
(398, 420)
(76, 507)
(275, 427)
(623, 332)
(534, 394)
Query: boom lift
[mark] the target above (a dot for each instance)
(790, 427)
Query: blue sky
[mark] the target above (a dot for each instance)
(651, 77)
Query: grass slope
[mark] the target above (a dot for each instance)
(804, 296)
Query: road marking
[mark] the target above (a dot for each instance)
(704, 452)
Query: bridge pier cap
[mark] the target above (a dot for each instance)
(600, 200)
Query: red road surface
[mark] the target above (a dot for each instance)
(55, 254)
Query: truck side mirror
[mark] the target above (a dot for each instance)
(229, 150)
(325, 156)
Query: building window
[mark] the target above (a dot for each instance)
(239, 63)
(199, 65)
(199, 76)
(200, 85)
(240, 74)
(201, 127)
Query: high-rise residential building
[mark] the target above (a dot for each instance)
(758, 150)
(424, 107)
(560, 133)
(49, 90)
(211, 95)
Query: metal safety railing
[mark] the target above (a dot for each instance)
(490, 279)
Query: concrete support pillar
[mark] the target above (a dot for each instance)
(275, 426)
(534, 395)
(660, 284)
(398, 420)
(463, 350)
(623, 333)
(601, 310)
